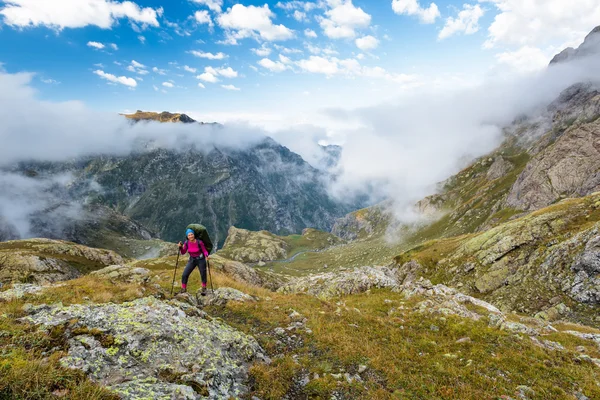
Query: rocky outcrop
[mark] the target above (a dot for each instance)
(499, 168)
(586, 287)
(530, 264)
(45, 261)
(124, 273)
(19, 290)
(436, 299)
(164, 116)
(333, 284)
(568, 168)
(247, 246)
(149, 348)
(363, 224)
(218, 297)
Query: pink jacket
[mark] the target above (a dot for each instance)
(193, 248)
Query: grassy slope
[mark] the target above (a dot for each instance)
(406, 356)
(309, 240)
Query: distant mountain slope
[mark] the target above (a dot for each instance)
(589, 47)
(264, 186)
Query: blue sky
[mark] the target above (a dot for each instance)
(220, 59)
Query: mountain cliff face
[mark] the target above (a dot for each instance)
(589, 47)
(265, 186)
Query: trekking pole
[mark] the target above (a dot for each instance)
(175, 273)
(210, 276)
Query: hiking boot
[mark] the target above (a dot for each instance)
(203, 291)
(182, 291)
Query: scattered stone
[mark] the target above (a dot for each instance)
(524, 392)
(464, 340)
(279, 331)
(362, 368)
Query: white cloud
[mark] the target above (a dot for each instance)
(274, 66)
(211, 74)
(76, 13)
(95, 45)
(213, 5)
(159, 71)
(287, 50)
(155, 88)
(284, 59)
(467, 21)
(200, 85)
(202, 17)
(263, 51)
(300, 16)
(320, 50)
(50, 81)
(251, 21)
(167, 84)
(190, 69)
(226, 72)
(210, 56)
(208, 77)
(230, 87)
(412, 7)
(349, 67)
(114, 46)
(142, 39)
(319, 65)
(137, 64)
(542, 22)
(307, 6)
(137, 68)
(112, 78)
(367, 43)
(342, 19)
(524, 60)
(310, 33)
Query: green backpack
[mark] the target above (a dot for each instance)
(202, 234)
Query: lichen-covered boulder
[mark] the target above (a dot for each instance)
(222, 296)
(124, 273)
(151, 349)
(19, 290)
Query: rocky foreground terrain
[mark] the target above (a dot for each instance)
(370, 332)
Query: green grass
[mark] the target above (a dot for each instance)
(406, 359)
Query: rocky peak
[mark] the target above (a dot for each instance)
(164, 116)
(590, 46)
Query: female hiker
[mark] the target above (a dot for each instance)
(198, 256)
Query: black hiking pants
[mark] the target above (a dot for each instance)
(192, 263)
